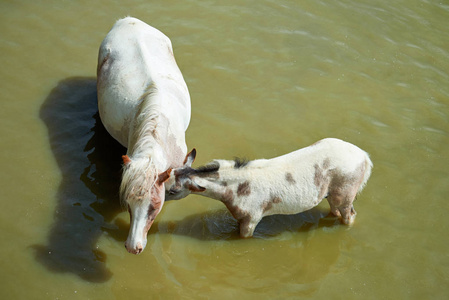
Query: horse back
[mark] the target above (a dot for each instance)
(133, 59)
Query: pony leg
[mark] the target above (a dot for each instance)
(247, 227)
(341, 206)
(348, 215)
(334, 209)
(348, 212)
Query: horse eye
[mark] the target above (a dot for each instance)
(172, 192)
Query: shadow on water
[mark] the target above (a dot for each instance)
(220, 225)
(87, 198)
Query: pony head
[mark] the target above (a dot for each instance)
(180, 183)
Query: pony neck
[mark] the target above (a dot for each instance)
(218, 178)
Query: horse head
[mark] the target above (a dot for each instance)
(143, 192)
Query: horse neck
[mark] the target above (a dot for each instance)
(140, 173)
(146, 132)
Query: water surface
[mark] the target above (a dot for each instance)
(265, 78)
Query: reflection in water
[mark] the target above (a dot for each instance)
(287, 256)
(87, 198)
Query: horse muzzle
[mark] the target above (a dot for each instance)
(135, 248)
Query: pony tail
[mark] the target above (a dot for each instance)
(367, 174)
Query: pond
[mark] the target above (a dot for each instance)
(265, 78)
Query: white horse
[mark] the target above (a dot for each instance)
(144, 104)
(287, 184)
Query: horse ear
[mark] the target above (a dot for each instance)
(195, 188)
(190, 158)
(126, 159)
(164, 176)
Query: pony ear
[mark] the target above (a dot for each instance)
(126, 159)
(164, 176)
(195, 188)
(190, 158)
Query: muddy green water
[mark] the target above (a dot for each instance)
(265, 78)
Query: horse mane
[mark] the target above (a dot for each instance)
(146, 119)
(138, 178)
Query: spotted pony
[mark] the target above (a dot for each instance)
(288, 184)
